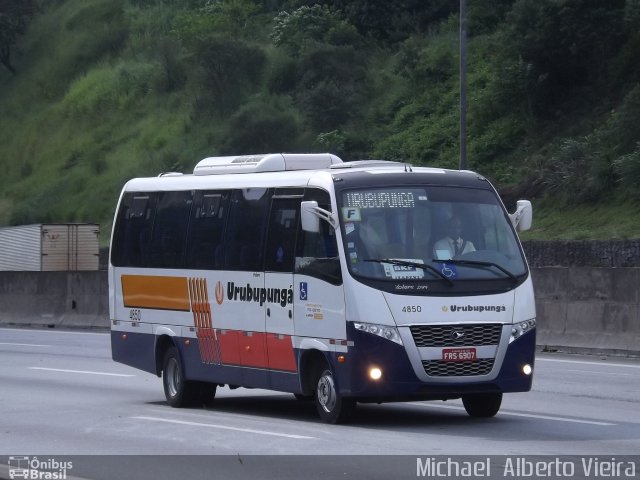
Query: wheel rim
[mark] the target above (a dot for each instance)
(326, 393)
(172, 375)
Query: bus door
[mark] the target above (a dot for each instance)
(279, 264)
(318, 288)
(241, 317)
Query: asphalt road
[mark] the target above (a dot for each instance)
(61, 394)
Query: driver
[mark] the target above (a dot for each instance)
(453, 245)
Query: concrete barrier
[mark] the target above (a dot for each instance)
(54, 299)
(578, 308)
(583, 253)
(588, 308)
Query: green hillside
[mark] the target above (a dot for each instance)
(106, 90)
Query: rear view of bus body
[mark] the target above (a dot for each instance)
(330, 280)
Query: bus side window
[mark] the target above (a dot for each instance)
(317, 253)
(170, 230)
(205, 249)
(133, 230)
(283, 225)
(244, 236)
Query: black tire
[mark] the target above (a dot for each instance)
(303, 398)
(178, 391)
(206, 393)
(331, 406)
(482, 405)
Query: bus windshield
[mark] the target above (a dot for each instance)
(457, 233)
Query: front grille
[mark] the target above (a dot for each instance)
(456, 335)
(438, 368)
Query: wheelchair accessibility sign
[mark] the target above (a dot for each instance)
(449, 270)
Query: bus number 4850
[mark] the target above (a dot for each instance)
(412, 309)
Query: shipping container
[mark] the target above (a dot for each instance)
(49, 247)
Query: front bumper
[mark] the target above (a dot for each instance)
(399, 380)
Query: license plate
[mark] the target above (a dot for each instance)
(458, 354)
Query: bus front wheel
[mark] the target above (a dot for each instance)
(303, 398)
(482, 405)
(332, 407)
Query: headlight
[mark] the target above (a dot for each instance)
(521, 328)
(384, 331)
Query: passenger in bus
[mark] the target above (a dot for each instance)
(453, 245)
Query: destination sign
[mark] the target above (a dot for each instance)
(381, 199)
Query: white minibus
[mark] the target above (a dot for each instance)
(339, 282)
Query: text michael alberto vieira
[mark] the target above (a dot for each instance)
(518, 467)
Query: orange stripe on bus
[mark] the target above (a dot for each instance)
(161, 293)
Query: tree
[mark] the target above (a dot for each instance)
(391, 20)
(566, 45)
(259, 126)
(306, 27)
(14, 15)
(331, 85)
(230, 68)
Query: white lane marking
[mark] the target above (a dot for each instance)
(81, 371)
(25, 344)
(558, 419)
(600, 373)
(222, 427)
(584, 362)
(527, 415)
(49, 330)
(228, 416)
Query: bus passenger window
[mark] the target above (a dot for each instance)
(170, 230)
(205, 249)
(283, 226)
(132, 236)
(245, 232)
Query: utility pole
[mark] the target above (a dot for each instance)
(463, 85)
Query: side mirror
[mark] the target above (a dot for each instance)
(311, 214)
(309, 217)
(522, 218)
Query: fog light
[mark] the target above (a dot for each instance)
(375, 373)
(527, 369)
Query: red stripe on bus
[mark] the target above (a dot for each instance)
(229, 347)
(280, 353)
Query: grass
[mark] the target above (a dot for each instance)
(553, 220)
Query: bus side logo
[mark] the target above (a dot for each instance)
(219, 293)
(304, 293)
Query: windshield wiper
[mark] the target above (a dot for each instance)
(477, 263)
(405, 263)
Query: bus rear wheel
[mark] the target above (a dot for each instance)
(332, 407)
(178, 391)
(482, 405)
